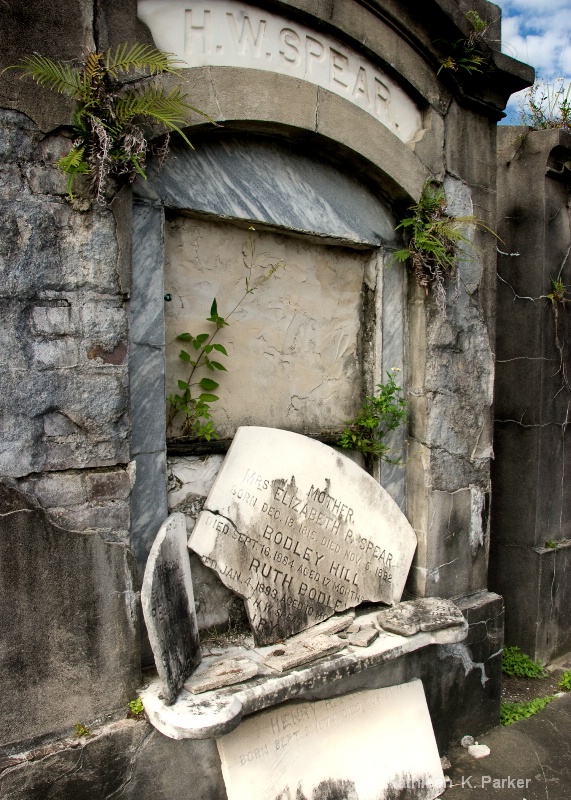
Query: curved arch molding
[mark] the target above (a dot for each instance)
(270, 181)
(228, 33)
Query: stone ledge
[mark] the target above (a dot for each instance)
(217, 712)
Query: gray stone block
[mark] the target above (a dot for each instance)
(537, 608)
(70, 627)
(147, 324)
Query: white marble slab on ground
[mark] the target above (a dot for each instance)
(300, 532)
(361, 746)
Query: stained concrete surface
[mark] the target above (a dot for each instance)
(535, 751)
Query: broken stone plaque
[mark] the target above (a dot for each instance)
(364, 746)
(224, 673)
(303, 651)
(168, 607)
(424, 614)
(363, 637)
(300, 532)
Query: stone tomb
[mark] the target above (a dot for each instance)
(168, 608)
(300, 532)
(364, 746)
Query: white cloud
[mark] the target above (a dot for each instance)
(539, 33)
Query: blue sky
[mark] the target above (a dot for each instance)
(539, 33)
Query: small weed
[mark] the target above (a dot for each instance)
(378, 416)
(467, 54)
(558, 293)
(565, 682)
(551, 545)
(512, 712)
(81, 729)
(547, 105)
(517, 665)
(136, 707)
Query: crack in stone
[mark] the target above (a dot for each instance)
(129, 778)
(461, 651)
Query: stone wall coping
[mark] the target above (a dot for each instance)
(217, 712)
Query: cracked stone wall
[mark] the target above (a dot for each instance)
(83, 372)
(531, 529)
(70, 624)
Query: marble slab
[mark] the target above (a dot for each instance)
(168, 608)
(227, 33)
(300, 532)
(363, 746)
(214, 713)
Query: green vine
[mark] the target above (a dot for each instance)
(109, 141)
(190, 409)
(379, 415)
(435, 241)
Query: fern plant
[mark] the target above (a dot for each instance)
(435, 241)
(109, 139)
(468, 54)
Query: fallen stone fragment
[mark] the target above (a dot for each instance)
(363, 637)
(288, 656)
(223, 673)
(339, 622)
(445, 763)
(436, 614)
(425, 614)
(466, 741)
(402, 619)
(479, 750)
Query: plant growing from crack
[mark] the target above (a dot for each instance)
(109, 140)
(436, 239)
(136, 708)
(468, 54)
(192, 405)
(379, 415)
(558, 293)
(81, 729)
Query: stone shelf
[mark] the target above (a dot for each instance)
(216, 712)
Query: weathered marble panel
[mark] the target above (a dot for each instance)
(266, 757)
(300, 532)
(276, 183)
(293, 346)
